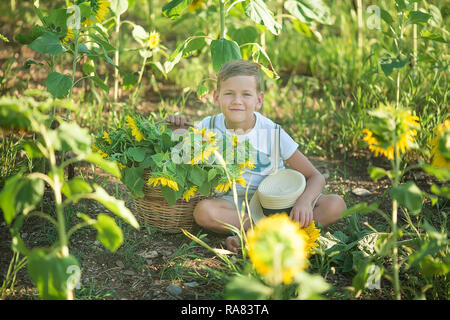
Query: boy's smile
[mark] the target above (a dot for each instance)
(238, 99)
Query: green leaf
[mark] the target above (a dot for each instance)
(107, 166)
(128, 81)
(52, 273)
(137, 153)
(386, 16)
(174, 8)
(223, 51)
(58, 84)
(408, 195)
(442, 174)
(132, 178)
(47, 43)
(8, 197)
(377, 173)
(114, 205)
(243, 287)
(388, 63)
(76, 186)
(118, 6)
(109, 234)
(361, 208)
(212, 174)
(258, 12)
(309, 10)
(444, 191)
(100, 83)
(432, 36)
(73, 137)
(197, 175)
(29, 195)
(418, 17)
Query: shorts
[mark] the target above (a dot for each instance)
(241, 199)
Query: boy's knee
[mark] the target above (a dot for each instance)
(203, 213)
(337, 206)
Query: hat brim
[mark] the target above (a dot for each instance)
(256, 210)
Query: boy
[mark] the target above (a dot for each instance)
(239, 98)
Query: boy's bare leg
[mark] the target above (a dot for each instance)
(328, 209)
(214, 214)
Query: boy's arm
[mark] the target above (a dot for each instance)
(315, 183)
(179, 121)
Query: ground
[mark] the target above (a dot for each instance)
(155, 265)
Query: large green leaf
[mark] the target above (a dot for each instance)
(418, 17)
(132, 178)
(361, 208)
(174, 8)
(114, 205)
(58, 84)
(8, 197)
(29, 195)
(52, 273)
(408, 195)
(47, 43)
(76, 186)
(309, 10)
(109, 234)
(246, 288)
(74, 138)
(107, 166)
(223, 51)
(258, 12)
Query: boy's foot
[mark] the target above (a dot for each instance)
(232, 243)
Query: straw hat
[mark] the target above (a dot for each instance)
(277, 192)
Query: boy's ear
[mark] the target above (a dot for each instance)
(216, 97)
(260, 100)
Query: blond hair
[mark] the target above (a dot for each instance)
(239, 68)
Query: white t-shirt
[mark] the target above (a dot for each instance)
(261, 137)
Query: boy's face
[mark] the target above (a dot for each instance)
(238, 99)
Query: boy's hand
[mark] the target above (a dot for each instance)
(178, 121)
(302, 212)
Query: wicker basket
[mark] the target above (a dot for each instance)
(153, 210)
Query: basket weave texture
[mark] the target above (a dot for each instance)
(153, 210)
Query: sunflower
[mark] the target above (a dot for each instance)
(391, 129)
(223, 187)
(106, 137)
(195, 5)
(311, 233)
(94, 148)
(134, 129)
(99, 9)
(153, 40)
(204, 155)
(189, 193)
(163, 181)
(276, 248)
(247, 164)
(69, 36)
(441, 146)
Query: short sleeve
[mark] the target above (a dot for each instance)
(204, 123)
(287, 145)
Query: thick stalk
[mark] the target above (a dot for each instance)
(74, 64)
(399, 43)
(394, 223)
(416, 6)
(222, 19)
(360, 25)
(116, 60)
